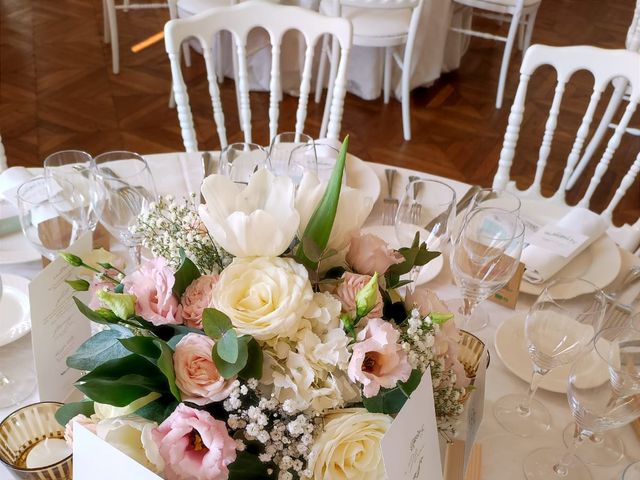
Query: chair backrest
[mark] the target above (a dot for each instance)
(239, 20)
(633, 34)
(604, 65)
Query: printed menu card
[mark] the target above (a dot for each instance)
(57, 327)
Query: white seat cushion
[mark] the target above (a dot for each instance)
(191, 7)
(486, 4)
(373, 23)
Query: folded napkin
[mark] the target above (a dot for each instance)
(10, 181)
(541, 264)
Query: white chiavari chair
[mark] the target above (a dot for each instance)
(519, 13)
(619, 94)
(387, 24)
(604, 65)
(239, 20)
(110, 9)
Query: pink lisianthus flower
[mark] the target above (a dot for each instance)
(196, 375)
(346, 292)
(196, 298)
(369, 254)
(152, 284)
(194, 445)
(378, 360)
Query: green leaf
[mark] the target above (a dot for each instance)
(123, 305)
(215, 323)
(68, 411)
(90, 314)
(119, 288)
(255, 359)
(318, 229)
(143, 346)
(107, 315)
(412, 383)
(248, 467)
(79, 285)
(228, 346)
(227, 369)
(120, 381)
(165, 364)
(391, 401)
(158, 410)
(186, 273)
(173, 341)
(99, 348)
(440, 318)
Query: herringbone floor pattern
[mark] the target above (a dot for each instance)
(57, 92)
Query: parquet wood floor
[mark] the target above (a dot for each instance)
(57, 92)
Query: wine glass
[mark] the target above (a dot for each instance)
(557, 329)
(240, 160)
(47, 217)
(427, 208)
(484, 258)
(73, 166)
(598, 403)
(302, 160)
(488, 198)
(632, 472)
(280, 151)
(123, 188)
(327, 155)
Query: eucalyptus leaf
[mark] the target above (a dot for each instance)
(69, 410)
(99, 348)
(229, 370)
(215, 323)
(228, 346)
(186, 273)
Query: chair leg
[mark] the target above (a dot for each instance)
(521, 35)
(322, 66)
(125, 4)
(598, 135)
(531, 20)
(388, 60)
(506, 57)
(218, 58)
(234, 60)
(333, 72)
(113, 33)
(105, 18)
(186, 53)
(406, 97)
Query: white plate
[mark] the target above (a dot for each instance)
(511, 347)
(599, 263)
(15, 319)
(388, 233)
(15, 248)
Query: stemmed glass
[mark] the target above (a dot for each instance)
(73, 166)
(302, 160)
(327, 155)
(123, 188)
(557, 329)
(427, 207)
(47, 217)
(240, 160)
(485, 257)
(488, 198)
(280, 151)
(599, 402)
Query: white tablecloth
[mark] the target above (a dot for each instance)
(503, 453)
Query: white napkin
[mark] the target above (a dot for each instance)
(10, 181)
(542, 264)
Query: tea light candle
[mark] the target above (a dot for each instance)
(48, 452)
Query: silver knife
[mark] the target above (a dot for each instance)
(206, 168)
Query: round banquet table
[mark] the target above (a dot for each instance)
(502, 453)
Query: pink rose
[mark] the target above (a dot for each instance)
(369, 254)
(82, 420)
(194, 445)
(425, 300)
(378, 360)
(346, 292)
(446, 347)
(152, 285)
(196, 375)
(196, 298)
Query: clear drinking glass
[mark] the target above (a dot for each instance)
(484, 257)
(327, 155)
(280, 151)
(47, 217)
(632, 472)
(557, 329)
(74, 166)
(599, 402)
(302, 160)
(427, 207)
(488, 198)
(123, 189)
(240, 160)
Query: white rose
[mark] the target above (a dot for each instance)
(264, 297)
(349, 446)
(104, 410)
(256, 220)
(131, 435)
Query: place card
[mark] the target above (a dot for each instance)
(507, 296)
(95, 459)
(57, 327)
(410, 448)
(475, 407)
(558, 240)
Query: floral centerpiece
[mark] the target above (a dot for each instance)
(235, 352)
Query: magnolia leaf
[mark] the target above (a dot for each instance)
(68, 411)
(255, 359)
(215, 323)
(99, 348)
(318, 229)
(79, 285)
(186, 273)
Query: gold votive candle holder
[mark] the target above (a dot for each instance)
(24, 430)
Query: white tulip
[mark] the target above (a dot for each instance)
(132, 435)
(353, 209)
(104, 410)
(252, 221)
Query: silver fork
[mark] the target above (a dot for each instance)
(415, 211)
(619, 313)
(390, 203)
